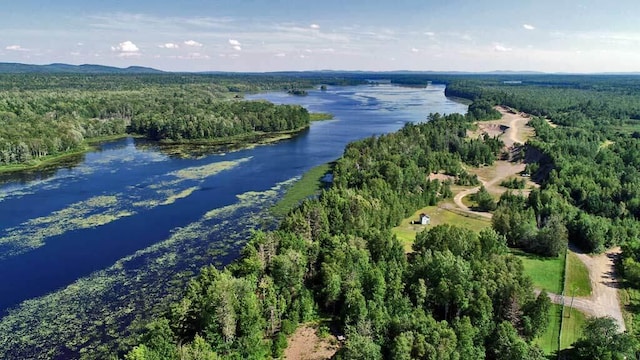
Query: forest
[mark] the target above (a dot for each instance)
(458, 294)
(48, 115)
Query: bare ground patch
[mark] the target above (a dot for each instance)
(305, 344)
(441, 177)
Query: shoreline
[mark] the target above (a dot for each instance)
(237, 142)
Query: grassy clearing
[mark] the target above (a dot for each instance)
(577, 275)
(406, 232)
(548, 340)
(606, 144)
(308, 185)
(468, 202)
(572, 325)
(546, 273)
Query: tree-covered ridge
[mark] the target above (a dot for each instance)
(459, 295)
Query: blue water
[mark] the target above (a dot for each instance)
(138, 179)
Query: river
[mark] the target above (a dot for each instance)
(86, 248)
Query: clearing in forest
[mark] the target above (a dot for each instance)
(305, 344)
(444, 213)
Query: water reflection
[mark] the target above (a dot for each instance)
(43, 172)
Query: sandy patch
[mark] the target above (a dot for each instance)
(441, 177)
(305, 344)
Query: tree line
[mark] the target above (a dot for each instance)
(53, 114)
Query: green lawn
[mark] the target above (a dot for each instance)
(406, 232)
(546, 273)
(308, 185)
(578, 282)
(548, 340)
(572, 325)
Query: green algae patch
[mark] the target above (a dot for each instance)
(93, 212)
(180, 195)
(201, 172)
(104, 209)
(116, 302)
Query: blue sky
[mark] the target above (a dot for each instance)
(271, 35)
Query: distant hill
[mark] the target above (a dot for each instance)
(17, 68)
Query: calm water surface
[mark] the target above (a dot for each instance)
(129, 217)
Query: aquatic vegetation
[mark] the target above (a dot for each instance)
(204, 171)
(114, 302)
(104, 209)
(96, 211)
(172, 196)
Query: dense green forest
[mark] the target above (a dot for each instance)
(459, 294)
(44, 115)
(588, 164)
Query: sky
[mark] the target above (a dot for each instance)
(275, 35)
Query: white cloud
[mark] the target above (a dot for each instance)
(169, 46)
(16, 48)
(126, 47)
(193, 56)
(430, 33)
(235, 45)
(414, 50)
(80, 44)
(314, 26)
(528, 27)
(500, 48)
(280, 55)
(193, 43)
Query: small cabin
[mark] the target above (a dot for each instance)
(424, 219)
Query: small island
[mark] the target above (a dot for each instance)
(298, 92)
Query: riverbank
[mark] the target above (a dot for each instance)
(309, 185)
(227, 143)
(99, 278)
(58, 159)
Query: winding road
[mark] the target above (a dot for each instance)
(514, 124)
(604, 286)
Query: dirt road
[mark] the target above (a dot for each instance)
(513, 130)
(604, 296)
(604, 288)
